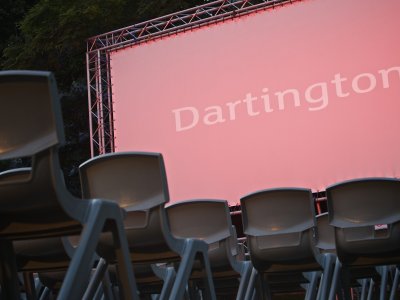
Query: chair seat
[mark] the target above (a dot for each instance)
(41, 254)
(17, 231)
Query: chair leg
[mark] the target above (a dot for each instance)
(263, 288)
(371, 289)
(251, 285)
(8, 271)
(364, 285)
(258, 288)
(125, 273)
(384, 272)
(345, 283)
(326, 280)
(395, 284)
(312, 286)
(335, 280)
(96, 279)
(192, 250)
(319, 292)
(99, 294)
(45, 294)
(168, 275)
(78, 273)
(244, 280)
(202, 255)
(191, 292)
(254, 296)
(29, 285)
(107, 287)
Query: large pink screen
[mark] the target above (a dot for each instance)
(303, 95)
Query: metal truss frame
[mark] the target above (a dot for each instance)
(99, 47)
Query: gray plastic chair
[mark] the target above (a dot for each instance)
(279, 225)
(366, 215)
(137, 181)
(39, 205)
(209, 220)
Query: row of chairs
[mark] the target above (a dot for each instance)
(120, 223)
(123, 240)
(355, 240)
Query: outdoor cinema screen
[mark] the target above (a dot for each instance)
(302, 95)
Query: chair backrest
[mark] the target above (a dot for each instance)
(277, 211)
(208, 220)
(30, 114)
(366, 213)
(279, 225)
(365, 201)
(133, 179)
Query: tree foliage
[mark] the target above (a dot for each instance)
(53, 32)
(11, 11)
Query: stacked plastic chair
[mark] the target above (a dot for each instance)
(366, 215)
(38, 205)
(137, 182)
(210, 221)
(280, 227)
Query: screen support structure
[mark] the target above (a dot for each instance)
(99, 47)
(100, 105)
